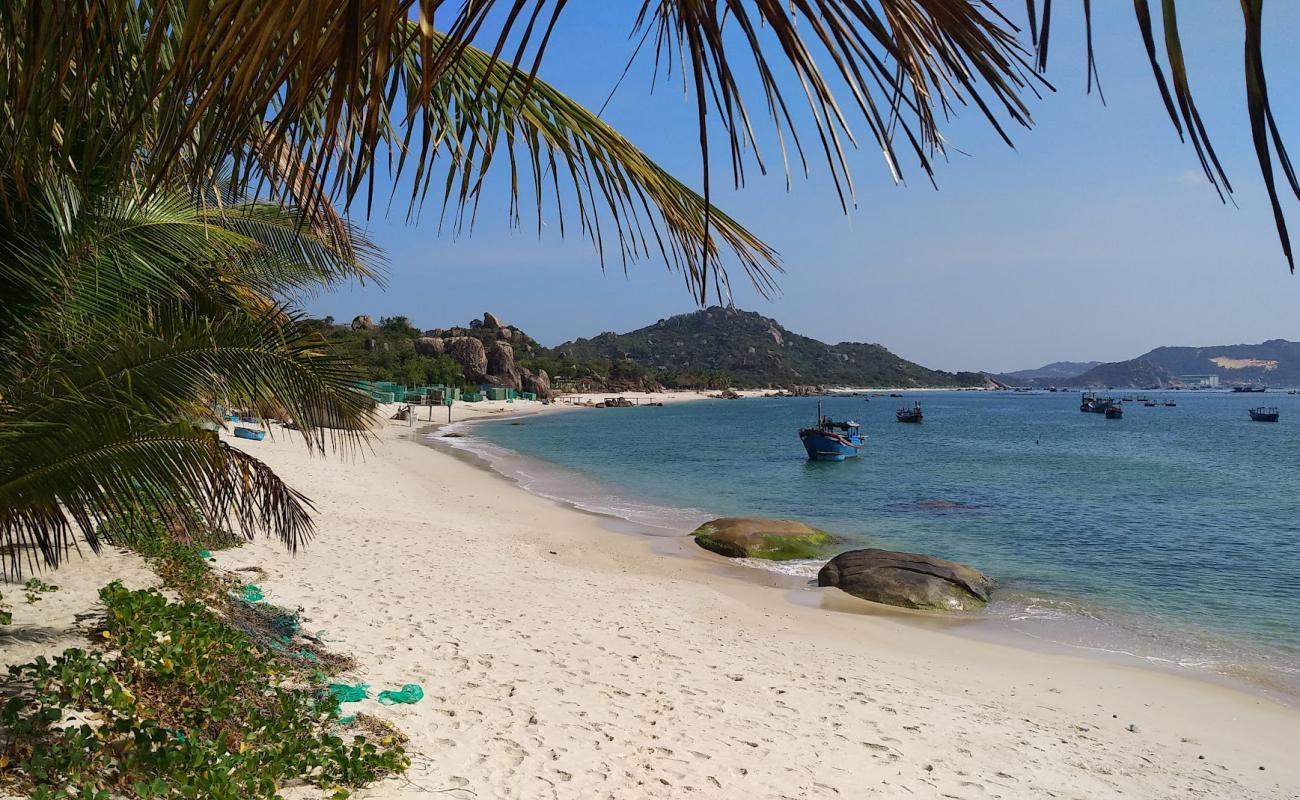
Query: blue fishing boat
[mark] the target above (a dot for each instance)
(250, 433)
(831, 441)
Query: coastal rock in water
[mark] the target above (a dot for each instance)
(909, 580)
(760, 537)
(469, 353)
(362, 322)
(430, 346)
(492, 321)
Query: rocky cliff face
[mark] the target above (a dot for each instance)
(485, 351)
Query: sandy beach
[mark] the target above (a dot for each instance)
(561, 659)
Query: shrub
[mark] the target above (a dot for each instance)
(190, 708)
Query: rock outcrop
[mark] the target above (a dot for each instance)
(492, 321)
(909, 580)
(430, 346)
(471, 356)
(362, 322)
(760, 537)
(539, 383)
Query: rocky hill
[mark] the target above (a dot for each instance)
(1276, 361)
(1135, 373)
(1057, 370)
(756, 351)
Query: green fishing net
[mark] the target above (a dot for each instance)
(349, 694)
(251, 593)
(205, 554)
(410, 693)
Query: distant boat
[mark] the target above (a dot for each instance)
(912, 414)
(831, 441)
(1114, 411)
(1264, 414)
(1170, 404)
(1092, 404)
(1150, 404)
(895, 395)
(1250, 389)
(1143, 398)
(1126, 399)
(250, 433)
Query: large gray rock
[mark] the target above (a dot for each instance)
(469, 353)
(909, 580)
(539, 383)
(430, 346)
(362, 322)
(492, 321)
(501, 360)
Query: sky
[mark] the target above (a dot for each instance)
(1095, 238)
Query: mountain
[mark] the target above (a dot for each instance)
(1057, 370)
(1137, 372)
(1276, 361)
(756, 351)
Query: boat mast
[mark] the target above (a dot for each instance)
(819, 412)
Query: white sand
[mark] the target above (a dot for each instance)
(560, 659)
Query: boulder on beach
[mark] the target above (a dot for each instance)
(760, 537)
(909, 580)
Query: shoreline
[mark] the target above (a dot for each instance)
(560, 661)
(1042, 636)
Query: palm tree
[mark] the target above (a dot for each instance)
(163, 310)
(140, 285)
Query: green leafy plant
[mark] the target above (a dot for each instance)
(191, 707)
(35, 587)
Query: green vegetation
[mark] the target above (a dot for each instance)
(35, 587)
(704, 348)
(206, 697)
(387, 353)
(190, 707)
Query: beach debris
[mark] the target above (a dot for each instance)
(347, 693)
(251, 593)
(761, 537)
(909, 580)
(410, 693)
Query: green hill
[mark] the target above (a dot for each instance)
(755, 351)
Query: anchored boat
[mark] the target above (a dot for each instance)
(1264, 414)
(1114, 411)
(831, 441)
(912, 414)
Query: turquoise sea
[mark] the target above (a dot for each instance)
(1172, 535)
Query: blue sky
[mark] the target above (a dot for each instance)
(1095, 238)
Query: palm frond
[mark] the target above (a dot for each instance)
(58, 481)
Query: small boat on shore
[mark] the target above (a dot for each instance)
(1264, 414)
(912, 414)
(1114, 411)
(831, 441)
(250, 433)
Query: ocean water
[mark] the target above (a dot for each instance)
(1172, 535)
